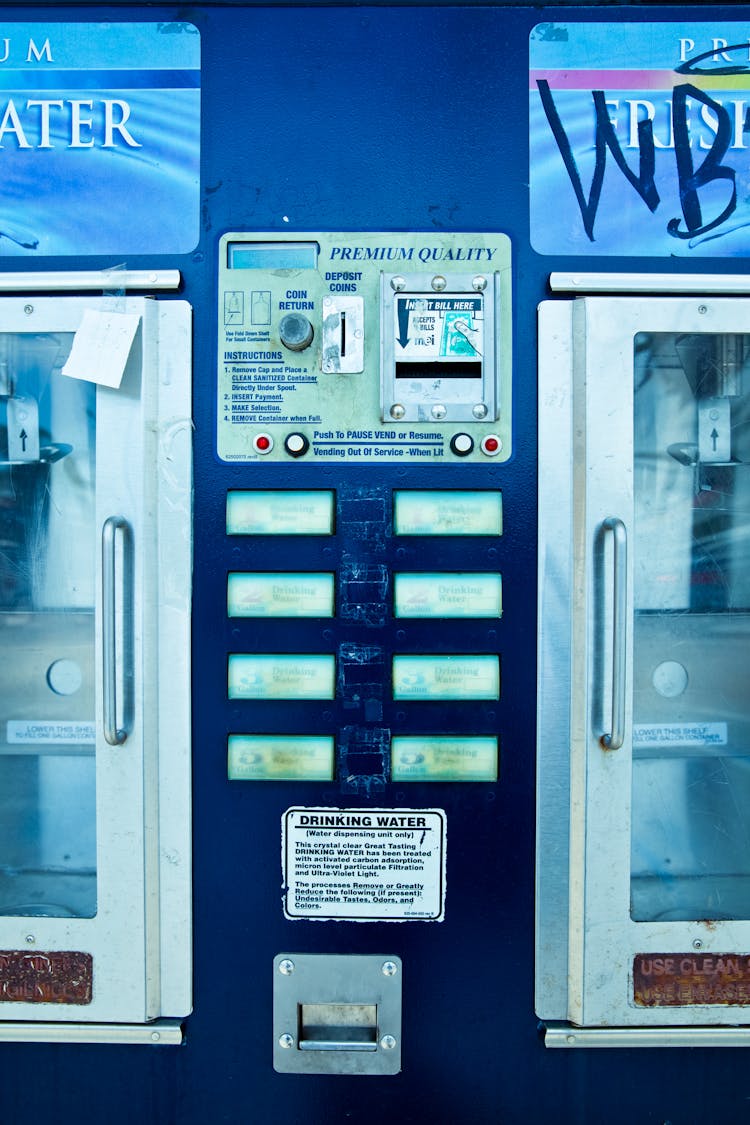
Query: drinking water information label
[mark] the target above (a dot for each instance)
(364, 865)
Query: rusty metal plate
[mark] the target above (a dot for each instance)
(45, 978)
(676, 980)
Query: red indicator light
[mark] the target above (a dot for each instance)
(491, 445)
(263, 443)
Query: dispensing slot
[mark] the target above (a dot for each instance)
(338, 1027)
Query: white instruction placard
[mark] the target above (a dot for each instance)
(364, 865)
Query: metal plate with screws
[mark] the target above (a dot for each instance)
(336, 1014)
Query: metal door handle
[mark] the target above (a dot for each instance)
(615, 739)
(114, 735)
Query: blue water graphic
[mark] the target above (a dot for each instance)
(65, 200)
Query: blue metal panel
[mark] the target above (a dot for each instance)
(409, 118)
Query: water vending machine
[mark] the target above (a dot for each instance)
(374, 531)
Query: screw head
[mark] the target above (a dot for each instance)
(30, 939)
(480, 410)
(439, 283)
(702, 309)
(479, 283)
(398, 283)
(286, 967)
(397, 411)
(389, 968)
(286, 1041)
(697, 944)
(28, 309)
(388, 1042)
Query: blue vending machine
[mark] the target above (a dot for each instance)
(374, 527)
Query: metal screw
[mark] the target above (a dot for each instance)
(697, 944)
(286, 967)
(398, 283)
(438, 411)
(480, 410)
(388, 1042)
(439, 283)
(397, 410)
(389, 968)
(155, 1037)
(479, 283)
(286, 1041)
(702, 309)
(28, 309)
(30, 939)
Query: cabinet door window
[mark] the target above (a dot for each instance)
(47, 631)
(690, 843)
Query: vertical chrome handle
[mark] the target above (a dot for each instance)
(616, 737)
(114, 735)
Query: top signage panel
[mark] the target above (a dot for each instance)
(640, 139)
(99, 138)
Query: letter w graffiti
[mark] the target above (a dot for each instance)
(605, 138)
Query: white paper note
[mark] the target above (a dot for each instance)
(101, 347)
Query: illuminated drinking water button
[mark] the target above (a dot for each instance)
(491, 445)
(296, 445)
(262, 443)
(295, 332)
(462, 444)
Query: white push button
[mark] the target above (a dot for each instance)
(296, 445)
(462, 444)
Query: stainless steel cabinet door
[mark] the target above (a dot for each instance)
(94, 604)
(644, 714)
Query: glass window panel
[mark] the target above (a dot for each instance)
(690, 851)
(47, 561)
